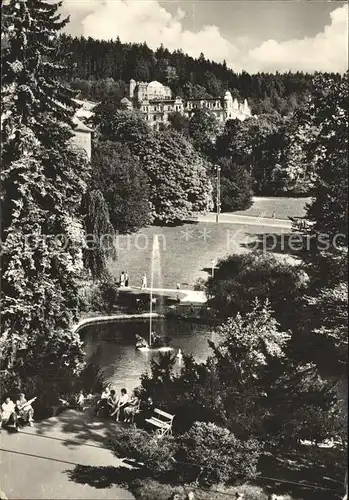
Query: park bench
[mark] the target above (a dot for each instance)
(162, 421)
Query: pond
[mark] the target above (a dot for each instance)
(112, 347)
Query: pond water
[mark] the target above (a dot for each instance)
(112, 347)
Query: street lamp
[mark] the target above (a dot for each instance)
(213, 262)
(218, 197)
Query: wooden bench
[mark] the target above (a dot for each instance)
(162, 421)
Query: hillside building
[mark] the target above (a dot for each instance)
(155, 102)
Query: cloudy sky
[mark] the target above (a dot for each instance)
(254, 35)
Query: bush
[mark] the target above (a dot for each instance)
(223, 457)
(200, 285)
(100, 297)
(149, 489)
(156, 454)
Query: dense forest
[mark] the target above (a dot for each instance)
(100, 69)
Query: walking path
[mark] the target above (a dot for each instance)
(194, 296)
(248, 220)
(39, 462)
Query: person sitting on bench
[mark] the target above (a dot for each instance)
(146, 410)
(102, 404)
(112, 401)
(25, 410)
(120, 407)
(8, 414)
(132, 407)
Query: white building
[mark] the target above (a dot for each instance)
(156, 103)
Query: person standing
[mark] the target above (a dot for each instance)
(8, 414)
(126, 279)
(122, 279)
(144, 281)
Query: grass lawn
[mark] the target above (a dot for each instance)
(186, 251)
(283, 207)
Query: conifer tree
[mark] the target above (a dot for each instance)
(43, 179)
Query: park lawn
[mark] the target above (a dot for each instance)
(186, 251)
(284, 207)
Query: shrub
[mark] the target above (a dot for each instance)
(156, 454)
(100, 297)
(200, 285)
(223, 457)
(149, 489)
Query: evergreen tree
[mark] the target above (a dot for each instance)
(236, 186)
(43, 178)
(328, 112)
(99, 233)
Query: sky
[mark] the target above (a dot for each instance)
(251, 35)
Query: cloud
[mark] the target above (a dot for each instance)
(327, 51)
(147, 20)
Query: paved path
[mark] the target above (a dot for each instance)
(37, 462)
(194, 296)
(249, 220)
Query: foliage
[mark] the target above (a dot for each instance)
(178, 178)
(180, 184)
(247, 344)
(156, 454)
(236, 186)
(99, 233)
(328, 113)
(149, 489)
(179, 122)
(101, 296)
(43, 179)
(100, 68)
(204, 128)
(222, 456)
(125, 186)
(267, 148)
(325, 315)
(239, 279)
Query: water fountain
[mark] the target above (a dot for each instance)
(156, 283)
(155, 278)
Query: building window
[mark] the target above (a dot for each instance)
(154, 118)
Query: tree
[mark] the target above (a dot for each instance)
(236, 186)
(43, 179)
(326, 316)
(240, 279)
(203, 130)
(178, 176)
(328, 113)
(124, 185)
(233, 142)
(99, 233)
(222, 457)
(179, 122)
(179, 180)
(247, 344)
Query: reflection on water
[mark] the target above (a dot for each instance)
(112, 346)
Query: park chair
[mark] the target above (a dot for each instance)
(162, 421)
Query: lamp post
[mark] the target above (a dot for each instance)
(213, 262)
(218, 197)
